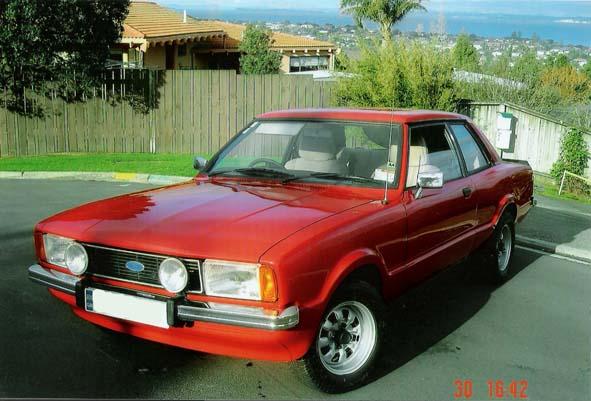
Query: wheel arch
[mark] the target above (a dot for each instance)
(362, 264)
(506, 204)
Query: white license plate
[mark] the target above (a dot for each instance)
(127, 307)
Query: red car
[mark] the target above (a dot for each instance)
(291, 238)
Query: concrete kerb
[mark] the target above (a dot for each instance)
(558, 249)
(94, 176)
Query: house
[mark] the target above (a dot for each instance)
(161, 38)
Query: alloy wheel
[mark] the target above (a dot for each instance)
(504, 248)
(347, 338)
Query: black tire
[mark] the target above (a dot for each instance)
(499, 267)
(350, 295)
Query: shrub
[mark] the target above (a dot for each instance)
(403, 75)
(574, 155)
(572, 85)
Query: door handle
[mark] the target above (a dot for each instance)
(467, 192)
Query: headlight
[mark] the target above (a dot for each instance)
(76, 258)
(65, 253)
(239, 280)
(173, 275)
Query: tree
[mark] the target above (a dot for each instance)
(386, 13)
(501, 65)
(487, 57)
(572, 85)
(558, 61)
(342, 61)
(55, 45)
(465, 55)
(257, 56)
(587, 68)
(527, 68)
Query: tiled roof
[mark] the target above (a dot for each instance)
(149, 20)
(130, 32)
(280, 40)
(153, 21)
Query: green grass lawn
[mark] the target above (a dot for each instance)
(547, 187)
(552, 192)
(165, 164)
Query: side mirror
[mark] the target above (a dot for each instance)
(429, 177)
(199, 163)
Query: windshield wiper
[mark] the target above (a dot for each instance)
(329, 176)
(256, 172)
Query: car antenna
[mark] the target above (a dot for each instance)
(385, 200)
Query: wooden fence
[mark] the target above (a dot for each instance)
(183, 112)
(537, 136)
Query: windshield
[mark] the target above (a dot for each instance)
(345, 152)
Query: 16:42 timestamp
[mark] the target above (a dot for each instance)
(497, 389)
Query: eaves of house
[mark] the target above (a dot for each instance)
(149, 24)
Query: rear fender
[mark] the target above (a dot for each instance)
(505, 201)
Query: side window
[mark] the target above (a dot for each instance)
(430, 145)
(472, 153)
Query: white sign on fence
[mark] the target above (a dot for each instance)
(504, 131)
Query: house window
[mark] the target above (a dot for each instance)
(308, 63)
(182, 50)
(116, 55)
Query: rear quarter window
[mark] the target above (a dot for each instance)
(471, 151)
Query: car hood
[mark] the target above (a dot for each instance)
(203, 219)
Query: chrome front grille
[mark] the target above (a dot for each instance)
(110, 263)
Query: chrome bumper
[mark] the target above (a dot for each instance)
(214, 312)
(241, 316)
(53, 279)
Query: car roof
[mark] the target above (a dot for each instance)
(368, 115)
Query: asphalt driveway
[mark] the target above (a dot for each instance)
(536, 327)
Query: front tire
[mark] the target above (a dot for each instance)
(344, 353)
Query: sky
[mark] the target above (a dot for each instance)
(546, 6)
(567, 21)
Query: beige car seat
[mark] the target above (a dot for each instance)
(417, 156)
(317, 151)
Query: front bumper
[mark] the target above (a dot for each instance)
(180, 311)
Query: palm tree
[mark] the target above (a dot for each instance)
(386, 13)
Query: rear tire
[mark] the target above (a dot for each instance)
(347, 343)
(499, 249)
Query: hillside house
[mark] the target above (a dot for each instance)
(161, 38)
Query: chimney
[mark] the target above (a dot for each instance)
(184, 16)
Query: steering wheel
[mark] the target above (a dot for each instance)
(267, 162)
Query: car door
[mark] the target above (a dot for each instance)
(478, 163)
(440, 220)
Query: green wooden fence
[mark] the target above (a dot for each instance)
(185, 112)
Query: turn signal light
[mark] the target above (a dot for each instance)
(268, 284)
